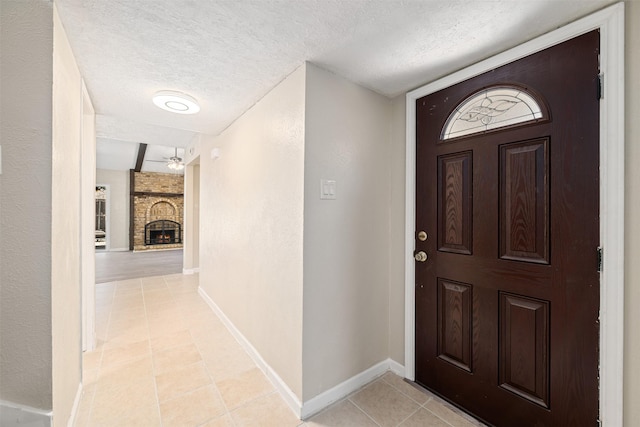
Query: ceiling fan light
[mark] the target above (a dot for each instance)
(176, 102)
(175, 165)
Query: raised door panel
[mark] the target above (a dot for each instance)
(524, 201)
(455, 323)
(524, 347)
(455, 203)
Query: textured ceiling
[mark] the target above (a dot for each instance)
(229, 54)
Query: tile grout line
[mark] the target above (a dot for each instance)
(423, 405)
(410, 415)
(99, 369)
(362, 410)
(213, 382)
(274, 390)
(253, 400)
(153, 365)
(454, 411)
(405, 394)
(228, 411)
(420, 406)
(381, 378)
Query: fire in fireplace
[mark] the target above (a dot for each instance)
(162, 232)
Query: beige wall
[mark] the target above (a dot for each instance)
(118, 215)
(191, 254)
(40, 323)
(26, 67)
(396, 229)
(263, 192)
(251, 228)
(65, 227)
(632, 216)
(346, 240)
(195, 218)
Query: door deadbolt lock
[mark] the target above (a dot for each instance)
(421, 256)
(422, 236)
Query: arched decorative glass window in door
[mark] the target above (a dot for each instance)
(493, 108)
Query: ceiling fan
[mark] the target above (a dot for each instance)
(174, 162)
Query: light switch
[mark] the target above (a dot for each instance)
(327, 189)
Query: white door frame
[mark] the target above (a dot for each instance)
(191, 243)
(88, 219)
(610, 22)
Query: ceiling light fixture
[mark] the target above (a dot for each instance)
(176, 102)
(175, 162)
(175, 165)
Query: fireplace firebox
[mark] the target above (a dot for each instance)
(162, 232)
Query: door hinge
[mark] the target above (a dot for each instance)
(600, 82)
(600, 259)
(598, 423)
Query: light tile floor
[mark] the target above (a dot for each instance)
(165, 359)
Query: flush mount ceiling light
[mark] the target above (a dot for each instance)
(176, 102)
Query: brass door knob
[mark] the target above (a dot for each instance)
(421, 256)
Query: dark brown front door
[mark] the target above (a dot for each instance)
(507, 299)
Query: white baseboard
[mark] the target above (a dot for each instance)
(396, 368)
(191, 270)
(14, 415)
(342, 390)
(76, 405)
(317, 403)
(118, 250)
(289, 396)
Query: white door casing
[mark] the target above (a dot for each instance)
(87, 215)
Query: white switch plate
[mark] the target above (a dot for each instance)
(327, 189)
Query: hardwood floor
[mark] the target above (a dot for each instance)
(113, 266)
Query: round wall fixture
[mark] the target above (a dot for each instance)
(176, 102)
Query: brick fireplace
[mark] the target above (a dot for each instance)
(157, 211)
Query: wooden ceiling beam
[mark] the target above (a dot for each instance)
(142, 148)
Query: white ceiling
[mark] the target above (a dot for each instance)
(229, 54)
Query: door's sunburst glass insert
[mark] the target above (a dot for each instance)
(492, 108)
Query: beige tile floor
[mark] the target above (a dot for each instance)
(165, 359)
